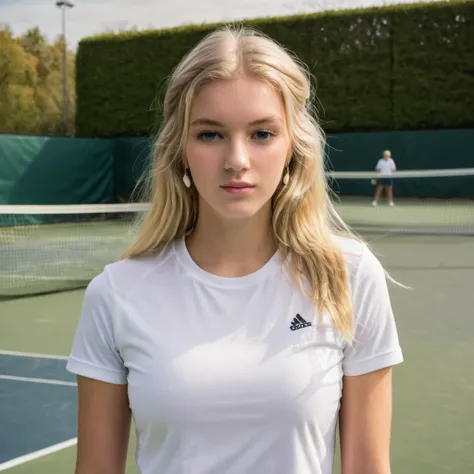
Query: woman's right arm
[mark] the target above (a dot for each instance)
(104, 414)
(103, 427)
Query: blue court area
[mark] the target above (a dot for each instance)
(38, 405)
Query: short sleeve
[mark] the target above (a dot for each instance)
(377, 166)
(94, 351)
(376, 344)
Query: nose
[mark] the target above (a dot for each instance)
(237, 158)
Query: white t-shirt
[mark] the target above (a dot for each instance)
(386, 167)
(229, 375)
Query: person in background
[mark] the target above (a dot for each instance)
(385, 167)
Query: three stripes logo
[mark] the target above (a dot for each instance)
(299, 323)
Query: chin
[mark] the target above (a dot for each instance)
(245, 209)
(239, 212)
(241, 209)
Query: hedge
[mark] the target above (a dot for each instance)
(433, 73)
(402, 67)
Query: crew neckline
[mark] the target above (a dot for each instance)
(270, 268)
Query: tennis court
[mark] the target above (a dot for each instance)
(428, 246)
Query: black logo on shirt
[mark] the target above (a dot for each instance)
(299, 323)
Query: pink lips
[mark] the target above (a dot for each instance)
(232, 190)
(237, 187)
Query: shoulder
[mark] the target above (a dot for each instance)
(375, 342)
(361, 262)
(351, 248)
(123, 277)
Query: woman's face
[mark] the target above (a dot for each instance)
(237, 147)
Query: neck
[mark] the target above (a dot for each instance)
(232, 248)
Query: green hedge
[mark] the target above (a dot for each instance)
(433, 73)
(391, 68)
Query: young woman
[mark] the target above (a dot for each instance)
(385, 168)
(244, 322)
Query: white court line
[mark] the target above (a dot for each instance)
(51, 449)
(32, 354)
(13, 276)
(37, 454)
(34, 380)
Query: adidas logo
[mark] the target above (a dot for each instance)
(299, 323)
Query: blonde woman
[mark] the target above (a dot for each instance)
(244, 322)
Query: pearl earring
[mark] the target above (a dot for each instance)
(186, 179)
(286, 178)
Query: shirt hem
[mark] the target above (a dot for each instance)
(87, 370)
(374, 363)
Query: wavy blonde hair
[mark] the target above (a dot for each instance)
(304, 220)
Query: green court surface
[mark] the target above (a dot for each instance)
(433, 420)
(410, 216)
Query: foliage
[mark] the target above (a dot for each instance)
(390, 68)
(433, 66)
(31, 85)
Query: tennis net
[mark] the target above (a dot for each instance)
(56, 248)
(427, 202)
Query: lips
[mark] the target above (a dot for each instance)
(238, 184)
(238, 188)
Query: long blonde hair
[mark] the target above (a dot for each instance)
(304, 220)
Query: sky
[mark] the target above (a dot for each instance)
(90, 17)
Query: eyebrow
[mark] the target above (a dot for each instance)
(208, 121)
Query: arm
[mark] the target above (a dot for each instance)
(365, 423)
(366, 404)
(103, 427)
(103, 407)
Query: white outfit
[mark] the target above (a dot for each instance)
(229, 375)
(386, 167)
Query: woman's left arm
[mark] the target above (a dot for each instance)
(365, 422)
(365, 415)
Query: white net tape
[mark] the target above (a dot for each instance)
(447, 173)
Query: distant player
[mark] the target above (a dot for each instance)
(385, 167)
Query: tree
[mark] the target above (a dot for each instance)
(31, 87)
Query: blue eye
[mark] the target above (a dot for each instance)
(263, 135)
(208, 136)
